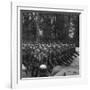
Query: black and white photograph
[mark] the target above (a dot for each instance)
(49, 43)
(45, 45)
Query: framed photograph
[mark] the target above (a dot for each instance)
(47, 45)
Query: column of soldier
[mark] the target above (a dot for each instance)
(43, 54)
